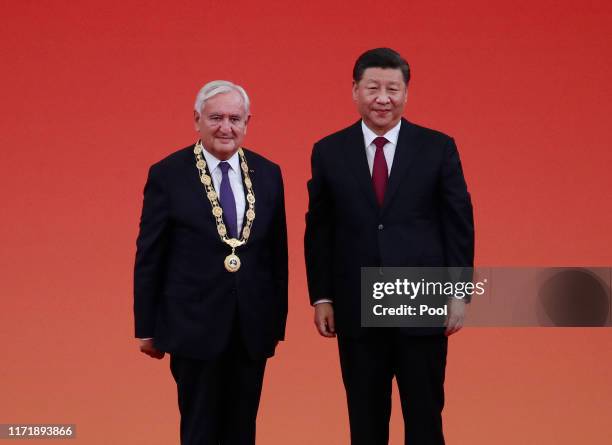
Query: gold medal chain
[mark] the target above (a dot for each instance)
(217, 211)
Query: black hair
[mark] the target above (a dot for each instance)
(381, 58)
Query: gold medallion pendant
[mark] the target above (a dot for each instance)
(232, 262)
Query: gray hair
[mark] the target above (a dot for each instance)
(218, 87)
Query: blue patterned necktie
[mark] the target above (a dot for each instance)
(228, 203)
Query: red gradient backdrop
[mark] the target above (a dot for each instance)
(95, 92)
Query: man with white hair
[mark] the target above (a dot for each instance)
(210, 277)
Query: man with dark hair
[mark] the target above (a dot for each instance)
(385, 192)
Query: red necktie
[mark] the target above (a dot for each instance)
(380, 173)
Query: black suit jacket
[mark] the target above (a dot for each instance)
(426, 218)
(183, 296)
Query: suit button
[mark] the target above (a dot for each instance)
(380, 227)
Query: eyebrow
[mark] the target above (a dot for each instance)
(221, 114)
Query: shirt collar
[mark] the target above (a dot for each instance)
(213, 162)
(391, 135)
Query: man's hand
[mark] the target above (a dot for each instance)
(324, 319)
(456, 315)
(147, 347)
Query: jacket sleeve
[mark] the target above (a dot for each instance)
(318, 238)
(281, 256)
(150, 255)
(456, 215)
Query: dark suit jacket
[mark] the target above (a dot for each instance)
(183, 296)
(426, 218)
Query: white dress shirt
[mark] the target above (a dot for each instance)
(235, 177)
(370, 149)
(388, 149)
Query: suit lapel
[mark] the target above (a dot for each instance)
(357, 162)
(258, 183)
(404, 152)
(198, 193)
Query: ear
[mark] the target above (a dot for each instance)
(196, 120)
(355, 87)
(246, 123)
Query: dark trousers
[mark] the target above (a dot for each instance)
(368, 367)
(218, 399)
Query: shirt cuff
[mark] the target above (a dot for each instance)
(322, 300)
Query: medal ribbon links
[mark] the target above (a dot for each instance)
(232, 262)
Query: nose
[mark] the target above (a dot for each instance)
(226, 126)
(382, 98)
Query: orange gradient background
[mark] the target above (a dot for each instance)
(95, 92)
